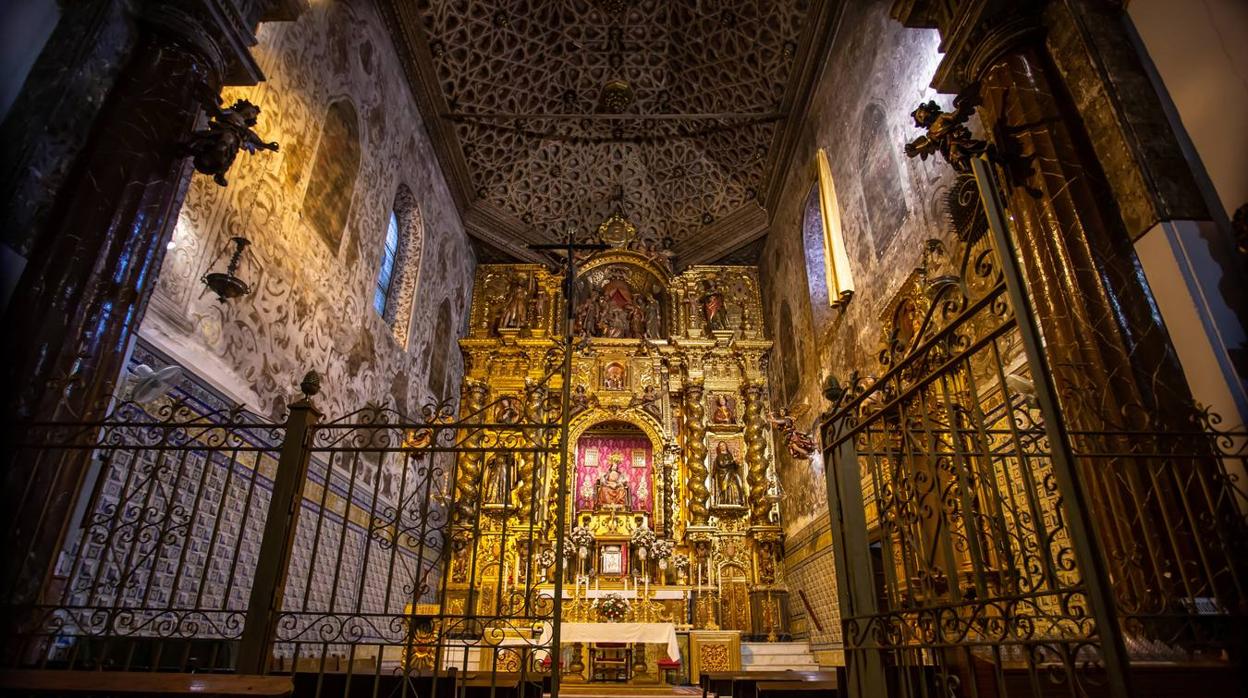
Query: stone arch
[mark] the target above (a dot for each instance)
(327, 200)
(403, 283)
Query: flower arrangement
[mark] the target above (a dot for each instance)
(681, 561)
(546, 558)
(614, 607)
(661, 550)
(583, 539)
(643, 539)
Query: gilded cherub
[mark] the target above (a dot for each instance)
(229, 131)
(947, 133)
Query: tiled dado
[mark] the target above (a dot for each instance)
(810, 569)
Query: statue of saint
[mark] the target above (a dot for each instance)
(496, 481)
(714, 311)
(654, 322)
(728, 484)
(612, 488)
(724, 413)
(515, 310)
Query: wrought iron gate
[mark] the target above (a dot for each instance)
(956, 476)
(323, 549)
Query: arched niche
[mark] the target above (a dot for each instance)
(621, 294)
(645, 425)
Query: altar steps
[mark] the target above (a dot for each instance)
(777, 656)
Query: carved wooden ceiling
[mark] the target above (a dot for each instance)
(552, 114)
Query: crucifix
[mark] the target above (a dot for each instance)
(569, 247)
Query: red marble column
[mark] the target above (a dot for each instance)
(87, 281)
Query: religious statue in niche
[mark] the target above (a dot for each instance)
(615, 377)
(947, 133)
(229, 130)
(611, 490)
(729, 487)
(615, 309)
(714, 310)
(724, 410)
(498, 479)
(514, 312)
(800, 444)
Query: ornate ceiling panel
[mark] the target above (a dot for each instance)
(566, 110)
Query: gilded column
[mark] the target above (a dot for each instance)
(468, 474)
(756, 452)
(695, 453)
(534, 413)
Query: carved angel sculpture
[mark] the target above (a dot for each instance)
(947, 133)
(229, 131)
(800, 444)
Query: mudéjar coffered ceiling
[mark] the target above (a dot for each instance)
(550, 115)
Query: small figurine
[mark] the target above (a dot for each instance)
(947, 133)
(800, 444)
(229, 131)
(724, 412)
(515, 310)
(714, 310)
(648, 401)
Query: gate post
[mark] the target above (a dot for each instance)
(269, 583)
(855, 589)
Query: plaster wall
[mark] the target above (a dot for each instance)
(876, 73)
(1200, 51)
(312, 305)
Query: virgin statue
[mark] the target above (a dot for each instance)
(612, 488)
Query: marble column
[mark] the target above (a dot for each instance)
(92, 268)
(695, 453)
(756, 452)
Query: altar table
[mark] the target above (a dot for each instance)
(648, 633)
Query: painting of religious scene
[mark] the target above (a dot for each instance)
(614, 471)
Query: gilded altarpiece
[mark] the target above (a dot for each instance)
(672, 500)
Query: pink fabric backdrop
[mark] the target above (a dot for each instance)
(639, 479)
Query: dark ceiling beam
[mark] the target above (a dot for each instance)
(822, 25)
(743, 225)
(403, 20)
(503, 231)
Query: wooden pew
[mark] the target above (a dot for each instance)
(797, 689)
(64, 682)
(744, 684)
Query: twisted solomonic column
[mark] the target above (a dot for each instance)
(534, 413)
(695, 453)
(756, 452)
(468, 475)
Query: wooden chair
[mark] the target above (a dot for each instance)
(610, 659)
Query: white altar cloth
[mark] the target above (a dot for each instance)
(649, 633)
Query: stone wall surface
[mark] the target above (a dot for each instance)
(313, 287)
(876, 73)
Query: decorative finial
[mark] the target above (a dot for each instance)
(311, 383)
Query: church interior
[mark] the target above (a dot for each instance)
(625, 348)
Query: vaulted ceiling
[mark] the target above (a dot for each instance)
(552, 114)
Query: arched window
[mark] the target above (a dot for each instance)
(327, 200)
(395, 291)
(385, 276)
(827, 262)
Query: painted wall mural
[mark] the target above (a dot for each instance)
(888, 205)
(316, 213)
